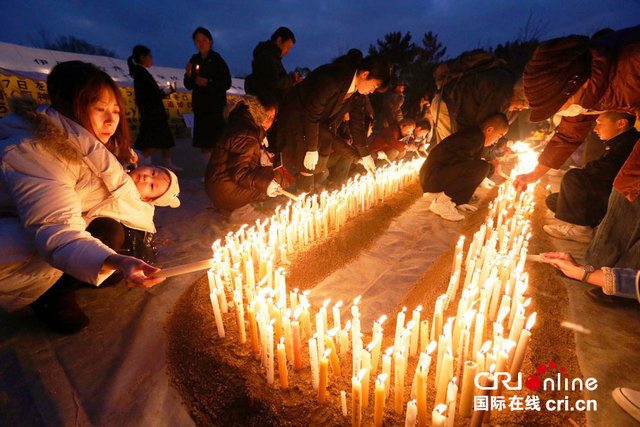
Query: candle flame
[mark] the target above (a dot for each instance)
(503, 314)
(332, 332)
(357, 300)
(507, 345)
(372, 345)
(404, 309)
(531, 321)
(418, 308)
(362, 373)
(327, 353)
(527, 302)
(485, 347)
(347, 326)
(431, 347)
(326, 303)
(389, 351)
(492, 368)
(382, 378)
(441, 409)
(338, 304)
(381, 319)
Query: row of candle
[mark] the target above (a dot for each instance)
(485, 283)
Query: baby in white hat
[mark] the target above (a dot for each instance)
(157, 185)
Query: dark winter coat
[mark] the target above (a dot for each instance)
(476, 95)
(613, 86)
(268, 75)
(617, 150)
(154, 126)
(234, 176)
(388, 139)
(208, 101)
(457, 147)
(313, 110)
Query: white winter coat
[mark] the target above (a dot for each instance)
(55, 177)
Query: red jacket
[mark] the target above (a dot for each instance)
(613, 86)
(388, 139)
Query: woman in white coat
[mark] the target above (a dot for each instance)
(58, 164)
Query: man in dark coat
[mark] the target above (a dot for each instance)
(268, 75)
(582, 201)
(579, 77)
(454, 168)
(313, 110)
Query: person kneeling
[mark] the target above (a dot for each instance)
(584, 192)
(389, 143)
(241, 171)
(454, 168)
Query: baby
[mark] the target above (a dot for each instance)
(156, 185)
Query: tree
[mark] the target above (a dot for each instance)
(71, 44)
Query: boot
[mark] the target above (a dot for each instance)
(57, 308)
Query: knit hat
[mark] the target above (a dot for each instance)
(170, 197)
(558, 68)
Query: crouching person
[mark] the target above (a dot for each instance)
(240, 170)
(57, 164)
(390, 144)
(454, 168)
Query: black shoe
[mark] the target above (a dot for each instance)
(596, 295)
(60, 312)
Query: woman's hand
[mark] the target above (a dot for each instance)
(136, 272)
(564, 262)
(189, 69)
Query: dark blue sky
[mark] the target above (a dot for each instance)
(324, 29)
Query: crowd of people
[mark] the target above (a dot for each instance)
(77, 202)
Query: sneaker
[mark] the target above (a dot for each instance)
(566, 231)
(246, 215)
(466, 207)
(430, 197)
(628, 399)
(444, 207)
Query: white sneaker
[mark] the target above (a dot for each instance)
(566, 231)
(628, 399)
(443, 206)
(429, 197)
(487, 184)
(246, 215)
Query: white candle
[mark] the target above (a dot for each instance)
(343, 401)
(412, 414)
(270, 358)
(217, 315)
(313, 359)
(399, 326)
(523, 342)
(438, 417)
(415, 331)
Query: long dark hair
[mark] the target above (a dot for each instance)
(74, 86)
(138, 52)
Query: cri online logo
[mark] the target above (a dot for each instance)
(534, 382)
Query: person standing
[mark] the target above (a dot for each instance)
(154, 126)
(268, 75)
(208, 76)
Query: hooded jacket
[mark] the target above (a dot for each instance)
(54, 177)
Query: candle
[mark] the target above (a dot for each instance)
(415, 331)
(237, 298)
(313, 360)
(253, 329)
(217, 315)
(518, 323)
(412, 413)
(336, 315)
(366, 366)
(424, 333)
(399, 382)
(452, 393)
(478, 333)
(344, 338)
(446, 372)
(438, 417)
(343, 401)
(270, 358)
(436, 325)
(320, 332)
(487, 382)
(523, 342)
(288, 336)
(335, 363)
(282, 365)
(378, 410)
(421, 395)
(323, 377)
(468, 387)
(297, 356)
(356, 400)
(399, 326)
(386, 368)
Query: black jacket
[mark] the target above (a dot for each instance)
(148, 95)
(617, 149)
(213, 96)
(267, 72)
(313, 110)
(457, 147)
(475, 96)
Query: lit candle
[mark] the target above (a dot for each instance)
(237, 298)
(421, 394)
(320, 332)
(253, 329)
(523, 342)
(288, 336)
(436, 325)
(424, 333)
(313, 360)
(366, 366)
(415, 331)
(344, 338)
(335, 363)
(378, 411)
(399, 382)
(217, 315)
(324, 377)
(438, 417)
(343, 401)
(356, 400)
(386, 368)
(336, 315)
(412, 413)
(468, 387)
(295, 331)
(452, 393)
(282, 365)
(399, 326)
(270, 358)
(518, 324)
(446, 372)
(487, 382)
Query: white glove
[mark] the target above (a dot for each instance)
(311, 160)
(487, 183)
(467, 208)
(368, 163)
(273, 189)
(382, 155)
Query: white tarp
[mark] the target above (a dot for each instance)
(36, 64)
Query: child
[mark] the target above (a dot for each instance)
(454, 168)
(156, 185)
